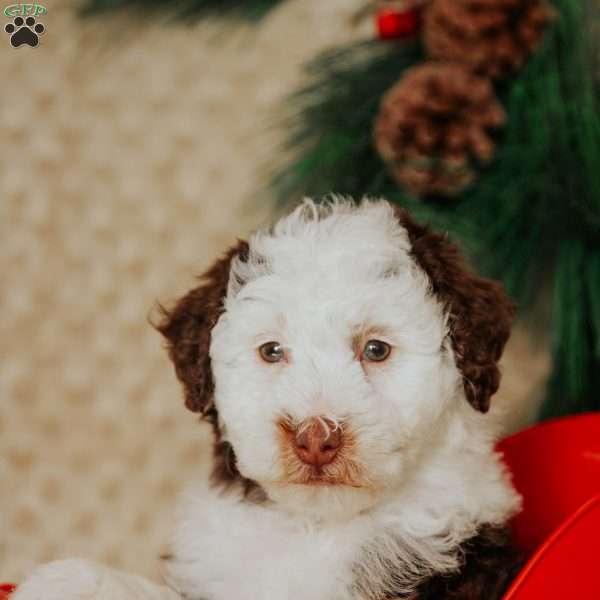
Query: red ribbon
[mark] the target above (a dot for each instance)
(393, 24)
(6, 589)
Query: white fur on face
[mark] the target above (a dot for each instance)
(428, 476)
(315, 283)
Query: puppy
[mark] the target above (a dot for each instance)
(346, 359)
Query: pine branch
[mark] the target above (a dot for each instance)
(246, 10)
(573, 384)
(330, 126)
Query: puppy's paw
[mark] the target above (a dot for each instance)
(77, 579)
(73, 579)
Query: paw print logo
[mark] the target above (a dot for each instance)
(24, 31)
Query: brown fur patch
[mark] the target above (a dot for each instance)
(344, 470)
(490, 564)
(187, 330)
(480, 312)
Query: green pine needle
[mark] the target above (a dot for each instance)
(331, 131)
(247, 10)
(576, 373)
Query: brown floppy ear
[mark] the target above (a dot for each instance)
(480, 312)
(187, 329)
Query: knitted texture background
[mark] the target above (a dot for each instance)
(129, 152)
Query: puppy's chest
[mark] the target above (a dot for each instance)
(257, 558)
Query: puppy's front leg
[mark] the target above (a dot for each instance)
(77, 579)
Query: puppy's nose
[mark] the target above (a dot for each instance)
(317, 441)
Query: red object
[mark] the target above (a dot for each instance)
(556, 468)
(393, 24)
(6, 589)
(566, 565)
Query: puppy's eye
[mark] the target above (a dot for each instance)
(272, 352)
(376, 351)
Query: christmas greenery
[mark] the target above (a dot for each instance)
(250, 10)
(532, 217)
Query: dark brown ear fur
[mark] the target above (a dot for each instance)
(480, 312)
(187, 329)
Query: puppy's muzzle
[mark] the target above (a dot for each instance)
(317, 441)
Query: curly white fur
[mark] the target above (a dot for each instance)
(431, 476)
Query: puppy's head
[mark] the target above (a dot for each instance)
(329, 352)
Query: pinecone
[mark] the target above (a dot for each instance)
(434, 124)
(495, 37)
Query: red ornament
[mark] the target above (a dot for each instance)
(6, 589)
(394, 24)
